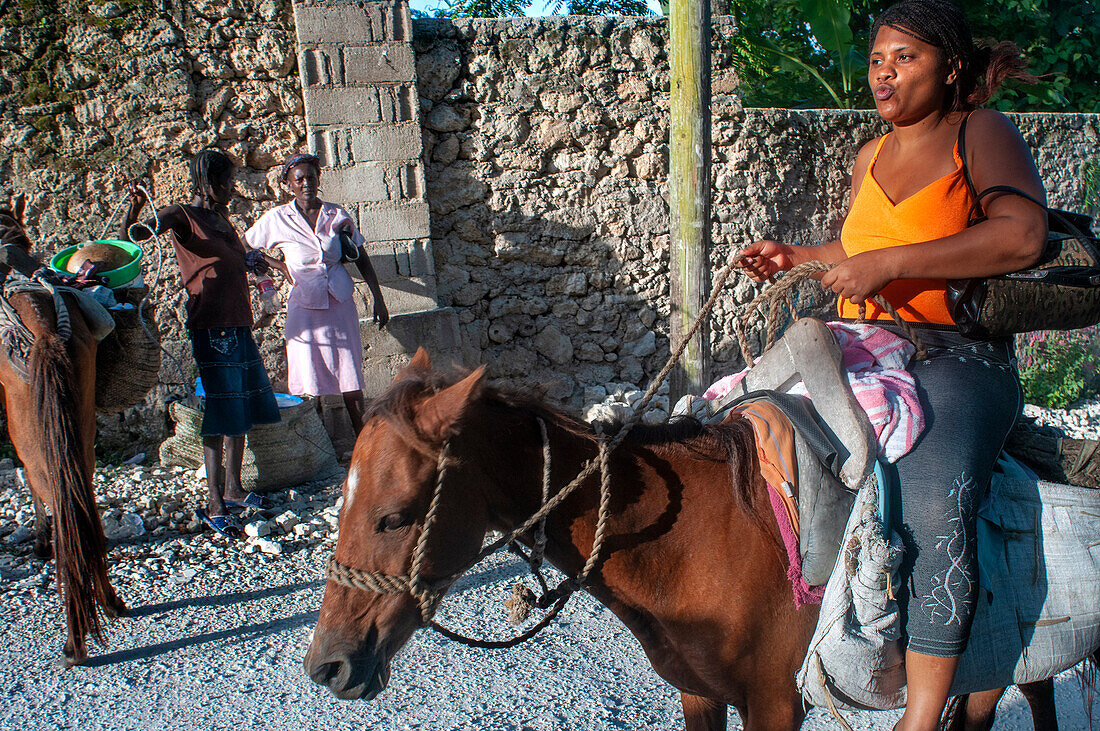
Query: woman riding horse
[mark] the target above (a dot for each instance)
(907, 232)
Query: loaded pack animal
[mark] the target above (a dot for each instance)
(691, 561)
(48, 384)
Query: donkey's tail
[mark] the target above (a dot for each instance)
(80, 546)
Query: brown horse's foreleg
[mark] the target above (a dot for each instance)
(1040, 697)
(43, 543)
(702, 714)
(973, 711)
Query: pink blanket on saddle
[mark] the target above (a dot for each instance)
(875, 360)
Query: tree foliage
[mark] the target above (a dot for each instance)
(780, 41)
(1061, 38)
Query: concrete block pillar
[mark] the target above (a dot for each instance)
(358, 73)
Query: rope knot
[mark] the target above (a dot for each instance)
(519, 604)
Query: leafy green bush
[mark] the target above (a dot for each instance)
(1058, 368)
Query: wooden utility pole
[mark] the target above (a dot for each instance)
(689, 187)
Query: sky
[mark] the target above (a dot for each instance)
(538, 7)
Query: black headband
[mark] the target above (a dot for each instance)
(303, 157)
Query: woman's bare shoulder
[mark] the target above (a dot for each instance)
(866, 152)
(988, 127)
(997, 154)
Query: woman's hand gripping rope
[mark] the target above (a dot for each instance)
(778, 294)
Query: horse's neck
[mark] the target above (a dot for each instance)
(666, 503)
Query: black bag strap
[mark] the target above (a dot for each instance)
(1078, 228)
(976, 211)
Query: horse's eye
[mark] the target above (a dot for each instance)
(393, 521)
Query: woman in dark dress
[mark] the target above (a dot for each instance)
(214, 266)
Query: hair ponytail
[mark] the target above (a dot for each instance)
(993, 63)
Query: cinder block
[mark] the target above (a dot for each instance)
(355, 184)
(327, 105)
(412, 181)
(398, 103)
(383, 257)
(419, 253)
(333, 146)
(397, 260)
(394, 221)
(321, 66)
(435, 330)
(379, 63)
(391, 142)
(405, 295)
(344, 22)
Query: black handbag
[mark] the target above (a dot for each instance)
(349, 255)
(1059, 292)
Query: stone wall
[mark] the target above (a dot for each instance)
(95, 94)
(545, 145)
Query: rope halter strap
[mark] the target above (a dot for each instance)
(428, 595)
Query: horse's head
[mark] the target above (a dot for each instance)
(11, 224)
(390, 484)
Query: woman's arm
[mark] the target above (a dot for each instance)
(381, 315)
(258, 238)
(1011, 238)
(763, 259)
(168, 218)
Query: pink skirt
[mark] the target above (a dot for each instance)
(324, 350)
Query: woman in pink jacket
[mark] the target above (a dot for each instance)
(323, 346)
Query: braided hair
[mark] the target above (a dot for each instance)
(980, 68)
(206, 167)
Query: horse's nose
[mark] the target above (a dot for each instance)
(346, 679)
(324, 673)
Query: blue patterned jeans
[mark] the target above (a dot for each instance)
(971, 395)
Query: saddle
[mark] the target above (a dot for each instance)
(16, 339)
(835, 444)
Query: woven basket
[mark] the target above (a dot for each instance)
(276, 456)
(127, 363)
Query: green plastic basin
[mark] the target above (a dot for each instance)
(113, 278)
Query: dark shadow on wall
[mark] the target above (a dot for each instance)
(539, 230)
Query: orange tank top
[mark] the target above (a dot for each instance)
(939, 209)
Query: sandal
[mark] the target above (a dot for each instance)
(224, 524)
(254, 500)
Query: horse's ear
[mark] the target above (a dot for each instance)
(20, 206)
(437, 416)
(419, 365)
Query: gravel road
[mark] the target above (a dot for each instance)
(218, 632)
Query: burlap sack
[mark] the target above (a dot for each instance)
(276, 456)
(127, 361)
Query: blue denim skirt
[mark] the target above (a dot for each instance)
(238, 392)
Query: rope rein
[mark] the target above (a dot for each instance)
(430, 594)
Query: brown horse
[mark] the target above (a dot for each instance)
(693, 565)
(51, 422)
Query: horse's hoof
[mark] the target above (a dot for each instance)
(69, 660)
(117, 610)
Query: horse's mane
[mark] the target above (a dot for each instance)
(732, 441)
(12, 231)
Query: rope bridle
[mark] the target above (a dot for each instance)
(429, 594)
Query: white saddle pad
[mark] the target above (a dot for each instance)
(1039, 615)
